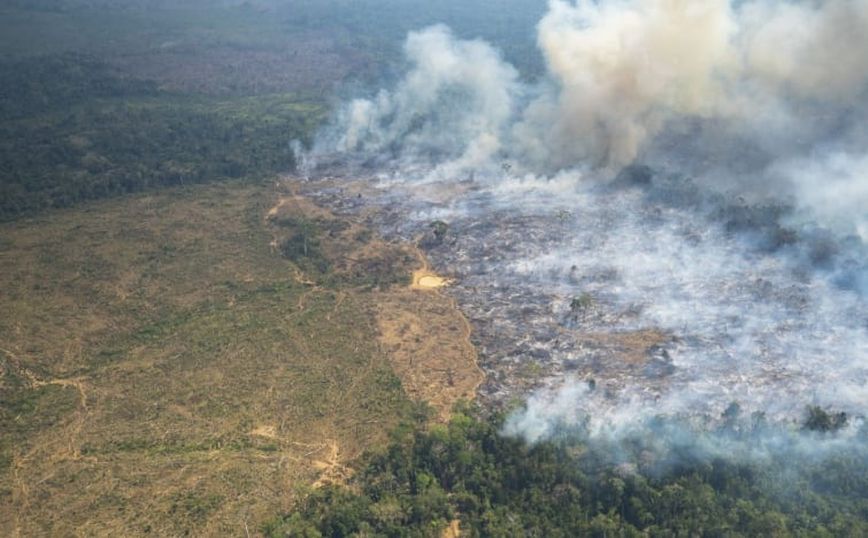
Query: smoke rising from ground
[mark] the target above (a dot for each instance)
(624, 69)
(620, 69)
(746, 240)
(450, 108)
(757, 86)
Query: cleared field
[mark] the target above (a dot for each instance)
(166, 369)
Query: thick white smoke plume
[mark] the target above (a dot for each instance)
(450, 108)
(754, 102)
(624, 69)
(620, 70)
(757, 86)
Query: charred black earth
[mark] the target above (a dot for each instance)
(648, 293)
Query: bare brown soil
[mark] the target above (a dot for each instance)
(424, 280)
(631, 348)
(423, 333)
(428, 340)
(453, 530)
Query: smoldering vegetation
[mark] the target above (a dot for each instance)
(671, 306)
(666, 226)
(719, 91)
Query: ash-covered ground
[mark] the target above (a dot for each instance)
(640, 297)
(669, 221)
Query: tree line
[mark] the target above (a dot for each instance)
(71, 130)
(502, 486)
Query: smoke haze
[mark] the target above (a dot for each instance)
(744, 237)
(716, 84)
(452, 106)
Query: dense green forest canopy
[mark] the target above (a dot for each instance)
(509, 24)
(502, 486)
(71, 129)
(99, 98)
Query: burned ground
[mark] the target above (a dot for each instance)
(651, 298)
